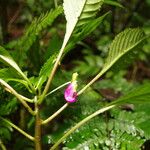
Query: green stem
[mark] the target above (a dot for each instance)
(22, 121)
(2, 145)
(78, 125)
(37, 127)
(61, 86)
(18, 129)
(25, 98)
(80, 92)
(92, 81)
(55, 3)
(20, 98)
(52, 73)
(55, 114)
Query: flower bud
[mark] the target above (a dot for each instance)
(70, 93)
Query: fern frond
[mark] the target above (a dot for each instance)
(8, 106)
(36, 28)
(117, 133)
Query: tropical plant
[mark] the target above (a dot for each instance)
(38, 92)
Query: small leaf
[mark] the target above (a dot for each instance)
(113, 3)
(45, 71)
(6, 58)
(140, 94)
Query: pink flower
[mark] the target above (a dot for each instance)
(70, 93)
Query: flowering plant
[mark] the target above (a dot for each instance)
(32, 88)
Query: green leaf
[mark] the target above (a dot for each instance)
(32, 33)
(8, 74)
(104, 132)
(6, 58)
(113, 3)
(78, 13)
(5, 131)
(85, 31)
(34, 30)
(123, 43)
(37, 26)
(8, 106)
(140, 94)
(45, 71)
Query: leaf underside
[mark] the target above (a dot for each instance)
(78, 13)
(123, 43)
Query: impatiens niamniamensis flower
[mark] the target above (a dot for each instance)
(70, 93)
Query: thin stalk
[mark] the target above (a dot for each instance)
(52, 73)
(18, 129)
(20, 98)
(60, 110)
(61, 86)
(2, 145)
(55, 114)
(80, 92)
(26, 99)
(55, 3)
(66, 39)
(22, 121)
(78, 125)
(37, 127)
(92, 81)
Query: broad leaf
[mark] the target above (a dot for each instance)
(85, 31)
(78, 13)
(123, 42)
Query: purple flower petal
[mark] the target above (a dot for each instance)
(70, 93)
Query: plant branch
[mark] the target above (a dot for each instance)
(80, 92)
(55, 3)
(37, 127)
(26, 99)
(92, 81)
(78, 125)
(2, 145)
(20, 98)
(55, 114)
(18, 129)
(58, 88)
(52, 73)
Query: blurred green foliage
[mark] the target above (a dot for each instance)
(32, 31)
